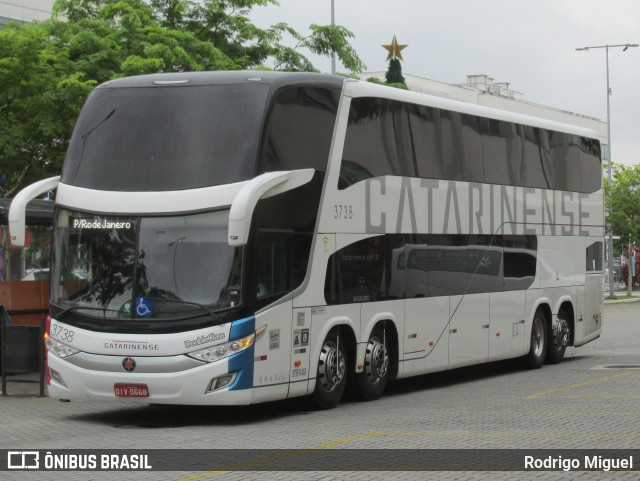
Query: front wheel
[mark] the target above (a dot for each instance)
(370, 383)
(558, 341)
(538, 344)
(332, 373)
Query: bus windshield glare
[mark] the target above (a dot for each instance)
(166, 138)
(145, 267)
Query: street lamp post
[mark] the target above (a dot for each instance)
(624, 47)
(333, 54)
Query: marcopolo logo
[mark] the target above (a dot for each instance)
(23, 460)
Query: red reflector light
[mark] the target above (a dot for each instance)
(47, 328)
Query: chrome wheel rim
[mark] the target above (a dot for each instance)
(561, 333)
(332, 367)
(376, 360)
(537, 337)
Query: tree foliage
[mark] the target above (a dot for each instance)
(624, 198)
(48, 69)
(394, 72)
(40, 96)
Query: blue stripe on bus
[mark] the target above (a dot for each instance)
(242, 328)
(242, 363)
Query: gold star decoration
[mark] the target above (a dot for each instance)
(394, 49)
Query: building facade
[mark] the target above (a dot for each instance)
(23, 11)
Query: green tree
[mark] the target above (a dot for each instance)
(116, 38)
(40, 96)
(48, 69)
(154, 34)
(624, 198)
(394, 73)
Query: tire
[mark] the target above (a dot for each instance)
(558, 340)
(538, 344)
(331, 378)
(371, 382)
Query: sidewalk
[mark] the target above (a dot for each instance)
(24, 385)
(621, 293)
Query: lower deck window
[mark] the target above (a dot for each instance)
(398, 266)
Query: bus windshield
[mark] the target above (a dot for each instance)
(166, 138)
(145, 267)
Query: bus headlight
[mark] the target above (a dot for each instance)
(215, 353)
(59, 349)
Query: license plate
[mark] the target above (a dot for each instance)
(131, 390)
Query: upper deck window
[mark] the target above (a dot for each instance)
(166, 138)
(388, 137)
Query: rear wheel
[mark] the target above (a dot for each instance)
(332, 372)
(538, 343)
(559, 340)
(370, 383)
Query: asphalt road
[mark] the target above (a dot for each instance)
(587, 402)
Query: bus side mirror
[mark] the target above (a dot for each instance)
(18, 208)
(261, 187)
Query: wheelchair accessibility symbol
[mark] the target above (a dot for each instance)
(144, 307)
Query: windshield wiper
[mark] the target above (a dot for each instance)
(86, 135)
(208, 310)
(66, 311)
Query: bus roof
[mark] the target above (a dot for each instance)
(352, 88)
(277, 79)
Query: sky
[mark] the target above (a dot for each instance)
(528, 43)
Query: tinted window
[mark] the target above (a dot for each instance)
(426, 129)
(393, 138)
(273, 264)
(534, 171)
(355, 273)
(503, 152)
(472, 156)
(484, 264)
(590, 164)
(299, 129)
(378, 141)
(594, 257)
(166, 138)
(519, 261)
(429, 265)
(283, 242)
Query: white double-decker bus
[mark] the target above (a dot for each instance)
(240, 237)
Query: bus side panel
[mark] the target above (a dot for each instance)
(272, 361)
(579, 256)
(426, 340)
(556, 263)
(469, 330)
(300, 352)
(578, 332)
(593, 308)
(374, 312)
(507, 333)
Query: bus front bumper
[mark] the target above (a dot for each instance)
(189, 387)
